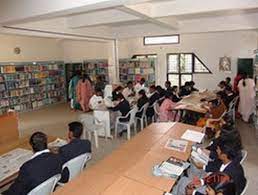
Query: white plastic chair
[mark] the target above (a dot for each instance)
(143, 118)
(75, 166)
(47, 187)
(244, 155)
(156, 115)
(92, 125)
(232, 108)
(246, 186)
(128, 124)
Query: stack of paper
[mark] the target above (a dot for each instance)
(193, 136)
(177, 145)
(57, 143)
(200, 157)
(171, 169)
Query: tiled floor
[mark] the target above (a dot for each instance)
(53, 121)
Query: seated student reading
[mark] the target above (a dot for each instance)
(128, 91)
(75, 147)
(141, 102)
(123, 107)
(186, 89)
(96, 101)
(228, 82)
(229, 166)
(229, 95)
(192, 88)
(175, 94)
(115, 92)
(153, 97)
(42, 166)
(166, 108)
(215, 110)
(168, 87)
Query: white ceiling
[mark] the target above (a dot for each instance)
(116, 19)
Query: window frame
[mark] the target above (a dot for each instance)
(144, 38)
(179, 73)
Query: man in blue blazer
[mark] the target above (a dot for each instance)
(74, 148)
(42, 166)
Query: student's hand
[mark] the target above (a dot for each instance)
(198, 165)
(189, 189)
(196, 182)
(210, 191)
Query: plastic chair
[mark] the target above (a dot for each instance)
(244, 155)
(75, 166)
(156, 115)
(47, 187)
(92, 125)
(246, 186)
(232, 108)
(128, 124)
(143, 118)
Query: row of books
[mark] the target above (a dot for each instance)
(25, 87)
(137, 70)
(28, 68)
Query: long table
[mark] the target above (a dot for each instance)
(128, 169)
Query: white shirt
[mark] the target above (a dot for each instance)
(95, 101)
(223, 167)
(127, 92)
(39, 153)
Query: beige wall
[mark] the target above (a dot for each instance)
(32, 49)
(209, 47)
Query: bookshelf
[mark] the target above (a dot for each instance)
(256, 87)
(135, 69)
(31, 85)
(96, 68)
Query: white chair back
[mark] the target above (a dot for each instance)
(76, 165)
(145, 107)
(246, 186)
(132, 113)
(244, 155)
(47, 187)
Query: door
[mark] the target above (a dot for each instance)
(245, 65)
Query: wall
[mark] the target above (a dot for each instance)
(32, 48)
(209, 47)
(75, 50)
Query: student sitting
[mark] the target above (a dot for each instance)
(229, 166)
(215, 110)
(123, 107)
(141, 102)
(42, 166)
(192, 88)
(128, 91)
(229, 96)
(175, 94)
(166, 109)
(96, 101)
(153, 97)
(168, 87)
(115, 92)
(185, 90)
(160, 91)
(228, 82)
(140, 85)
(74, 148)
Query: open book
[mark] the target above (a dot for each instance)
(200, 156)
(177, 145)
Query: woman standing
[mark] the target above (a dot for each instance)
(246, 88)
(84, 92)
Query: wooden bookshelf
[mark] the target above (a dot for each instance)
(135, 69)
(31, 85)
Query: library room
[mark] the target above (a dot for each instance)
(142, 97)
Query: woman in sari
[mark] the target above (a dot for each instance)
(246, 88)
(84, 92)
(72, 90)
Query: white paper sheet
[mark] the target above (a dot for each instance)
(57, 143)
(11, 162)
(193, 136)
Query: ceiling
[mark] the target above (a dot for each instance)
(105, 20)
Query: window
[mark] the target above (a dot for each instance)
(182, 66)
(143, 56)
(161, 40)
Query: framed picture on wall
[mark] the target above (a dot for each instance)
(225, 64)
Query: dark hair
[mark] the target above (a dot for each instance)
(168, 83)
(84, 77)
(38, 141)
(152, 87)
(187, 83)
(98, 90)
(76, 128)
(226, 148)
(129, 83)
(174, 88)
(192, 83)
(244, 76)
(142, 92)
(222, 83)
(120, 96)
(142, 80)
(168, 94)
(118, 88)
(78, 73)
(228, 79)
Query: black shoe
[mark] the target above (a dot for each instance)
(121, 133)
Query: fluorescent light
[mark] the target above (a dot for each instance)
(159, 40)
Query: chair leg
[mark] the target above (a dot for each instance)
(116, 126)
(128, 132)
(146, 121)
(135, 128)
(141, 123)
(96, 139)
(89, 135)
